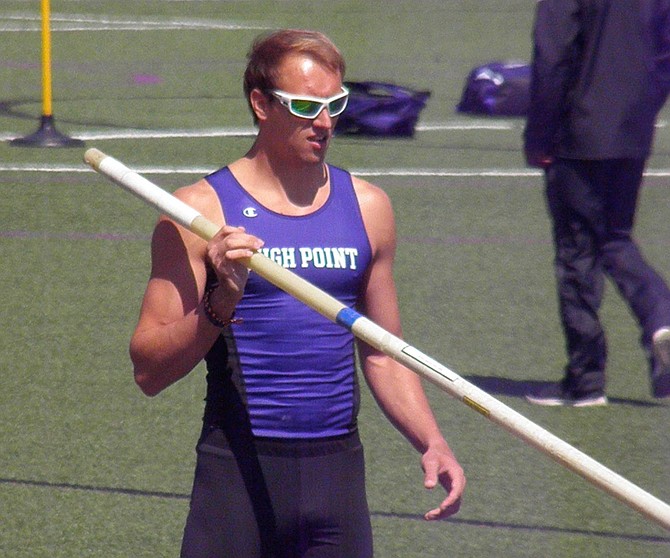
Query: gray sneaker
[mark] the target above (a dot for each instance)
(554, 395)
(660, 374)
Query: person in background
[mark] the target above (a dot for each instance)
(280, 467)
(596, 90)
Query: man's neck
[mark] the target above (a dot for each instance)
(292, 189)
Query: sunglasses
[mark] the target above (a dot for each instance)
(310, 107)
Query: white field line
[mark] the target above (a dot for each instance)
(163, 134)
(400, 172)
(25, 22)
(245, 131)
(152, 134)
(502, 125)
(67, 169)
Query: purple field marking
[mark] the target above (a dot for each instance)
(425, 240)
(120, 237)
(472, 240)
(74, 236)
(147, 79)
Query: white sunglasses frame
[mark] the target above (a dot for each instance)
(285, 99)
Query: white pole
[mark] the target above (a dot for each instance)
(366, 330)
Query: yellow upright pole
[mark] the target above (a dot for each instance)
(47, 108)
(46, 135)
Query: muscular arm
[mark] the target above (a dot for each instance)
(173, 334)
(398, 390)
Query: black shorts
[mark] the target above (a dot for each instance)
(278, 499)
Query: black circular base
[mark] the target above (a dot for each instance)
(46, 136)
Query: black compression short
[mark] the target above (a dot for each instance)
(278, 499)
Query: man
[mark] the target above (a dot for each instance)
(595, 94)
(280, 468)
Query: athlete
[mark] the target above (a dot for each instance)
(280, 469)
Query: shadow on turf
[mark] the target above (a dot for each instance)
(519, 388)
(537, 528)
(387, 515)
(9, 108)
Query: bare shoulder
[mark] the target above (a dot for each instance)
(170, 241)
(370, 197)
(202, 197)
(377, 213)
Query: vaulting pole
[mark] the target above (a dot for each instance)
(534, 435)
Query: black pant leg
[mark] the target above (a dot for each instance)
(645, 291)
(576, 209)
(593, 206)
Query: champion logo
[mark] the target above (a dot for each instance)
(250, 212)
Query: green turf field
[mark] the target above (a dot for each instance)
(90, 467)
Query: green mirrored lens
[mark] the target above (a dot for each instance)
(337, 106)
(305, 108)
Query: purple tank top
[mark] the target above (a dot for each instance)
(295, 368)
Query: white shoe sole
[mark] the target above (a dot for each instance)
(600, 401)
(661, 373)
(661, 344)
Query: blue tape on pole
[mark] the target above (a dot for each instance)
(346, 317)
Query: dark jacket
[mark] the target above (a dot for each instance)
(596, 86)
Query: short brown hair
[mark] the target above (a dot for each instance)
(268, 51)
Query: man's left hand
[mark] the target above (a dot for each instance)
(440, 465)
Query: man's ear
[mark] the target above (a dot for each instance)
(259, 103)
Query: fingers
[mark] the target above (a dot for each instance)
(226, 253)
(449, 506)
(444, 470)
(430, 475)
(230, 244)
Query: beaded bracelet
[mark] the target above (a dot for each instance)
(211, 315)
